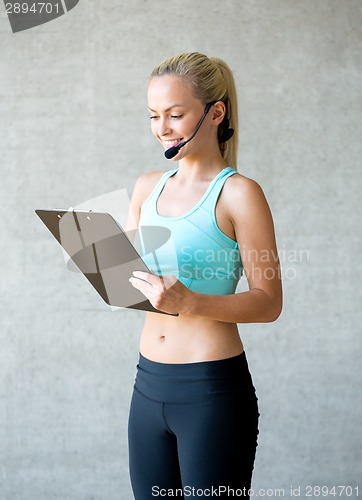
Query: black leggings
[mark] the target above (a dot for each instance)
(193, 429)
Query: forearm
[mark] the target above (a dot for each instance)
(253, 306)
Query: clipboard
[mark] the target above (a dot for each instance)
(101, 250)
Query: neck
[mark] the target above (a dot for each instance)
(204, 165)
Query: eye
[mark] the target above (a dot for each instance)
(153, 117)
(176, 117)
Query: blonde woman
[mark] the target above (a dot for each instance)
(193, 421)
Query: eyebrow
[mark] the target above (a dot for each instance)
(168, 109)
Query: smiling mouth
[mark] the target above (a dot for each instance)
(171, 144)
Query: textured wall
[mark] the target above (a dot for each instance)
(73, 126)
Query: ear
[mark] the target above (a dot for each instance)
(218, 112)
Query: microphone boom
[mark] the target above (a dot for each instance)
(172, 152)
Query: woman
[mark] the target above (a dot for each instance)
(193, 422)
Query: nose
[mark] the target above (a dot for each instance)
(164, 127)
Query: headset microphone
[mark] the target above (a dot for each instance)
(172, 152)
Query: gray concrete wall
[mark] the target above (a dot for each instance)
(74, 126)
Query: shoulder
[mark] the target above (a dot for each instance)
(143, 187)
(239, 187)
(145, 183)
(243, 195)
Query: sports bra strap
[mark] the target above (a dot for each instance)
(209, 199)
(153, 196)
(209, 203)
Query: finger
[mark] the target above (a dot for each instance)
(153, 279)
(142, 275)
(145, 288)
(141, 285)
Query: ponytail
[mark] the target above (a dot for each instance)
(229, 149)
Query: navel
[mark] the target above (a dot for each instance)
(162, 338)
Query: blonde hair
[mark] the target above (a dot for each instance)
(211, 79)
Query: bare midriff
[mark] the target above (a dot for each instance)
(185, 339)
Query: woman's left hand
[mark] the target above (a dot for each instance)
(166, 293)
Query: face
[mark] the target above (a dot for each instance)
(175, 113)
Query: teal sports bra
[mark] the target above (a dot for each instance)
(191, 246)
